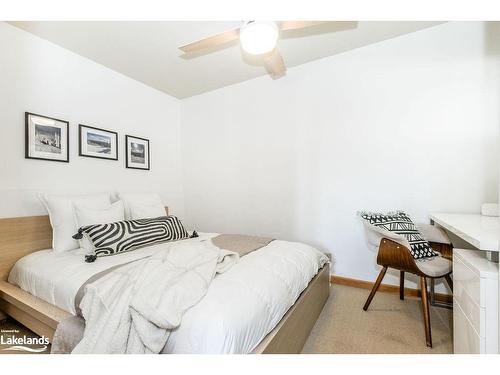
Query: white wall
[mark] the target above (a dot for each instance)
(40, 77)
(409, 123)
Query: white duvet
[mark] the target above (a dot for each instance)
(240, 308)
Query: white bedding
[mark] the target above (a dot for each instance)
(240, 308)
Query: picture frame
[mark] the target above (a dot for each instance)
(97, 143)
(46, 138)
(137, 153)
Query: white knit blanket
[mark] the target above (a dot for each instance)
(134, 308)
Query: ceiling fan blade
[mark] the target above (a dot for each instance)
(274, 64)
(294, 25)
(211, 41)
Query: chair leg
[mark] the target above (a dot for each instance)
(401, 285)
(425, 311)
(449, 281)
(375, 287)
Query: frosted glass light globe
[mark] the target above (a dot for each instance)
(258, 38)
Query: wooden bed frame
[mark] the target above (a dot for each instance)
(23, 235)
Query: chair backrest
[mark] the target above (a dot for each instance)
(437, 236)
(433, 233)
(374, 235)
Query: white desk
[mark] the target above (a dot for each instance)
(475, 303)
(475, 291)
(478, 230)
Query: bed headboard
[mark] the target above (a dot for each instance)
(20, 236)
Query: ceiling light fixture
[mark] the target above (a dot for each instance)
(258, 38)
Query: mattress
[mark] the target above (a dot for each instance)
(240, 308)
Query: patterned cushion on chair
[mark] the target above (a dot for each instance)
(399, 223)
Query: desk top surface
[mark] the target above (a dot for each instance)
(478, 230)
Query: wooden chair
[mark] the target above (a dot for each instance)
(392, 254)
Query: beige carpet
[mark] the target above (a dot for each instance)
(389, 326)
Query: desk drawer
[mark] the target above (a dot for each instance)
(466, 280)
(475, 314)
(465, 338)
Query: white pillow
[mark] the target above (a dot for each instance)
(148, 199)
(146, 211)
(88, 216)
(62, 218)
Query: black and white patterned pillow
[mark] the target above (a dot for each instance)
(123, 236)
(400, 223)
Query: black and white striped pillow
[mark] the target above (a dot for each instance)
(401, 224)
(123, 236)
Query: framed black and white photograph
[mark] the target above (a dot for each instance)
(137, 152)
(97, 143)
(46, 138)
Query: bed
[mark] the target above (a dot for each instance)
(40, 298)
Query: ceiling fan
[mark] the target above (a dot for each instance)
(256, 38)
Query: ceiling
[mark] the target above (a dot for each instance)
(147, 51)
